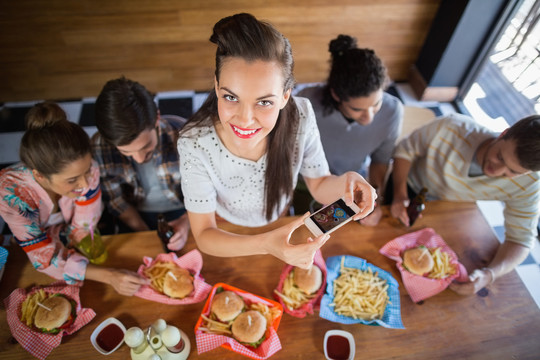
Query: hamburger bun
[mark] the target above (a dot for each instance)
(249, 327)
(227, 305)
(59, 314)
(309, 281)
(178, 283)
(418, 260)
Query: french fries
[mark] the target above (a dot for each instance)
(292, 296)
(442, 267)
(359, 294)
(157, 272)
(30, 305)
(270, 313)
(216, 327)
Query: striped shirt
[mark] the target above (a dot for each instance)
(441, 153)
(119, 180)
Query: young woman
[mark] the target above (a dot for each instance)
(53, 198)
(242, 151)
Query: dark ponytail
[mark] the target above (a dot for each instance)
(354, 72)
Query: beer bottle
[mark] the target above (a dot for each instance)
(165, 231)
(416, 206)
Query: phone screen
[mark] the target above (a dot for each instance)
(332, 215)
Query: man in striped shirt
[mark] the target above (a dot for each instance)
(456, 159)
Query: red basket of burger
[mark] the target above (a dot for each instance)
(239, 321)
(426, 263)
(174, 280)
(300, 291)
(39, 318)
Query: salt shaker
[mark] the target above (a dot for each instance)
(134, 338)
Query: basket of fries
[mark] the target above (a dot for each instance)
(22, 307)
(359, 292)
(169, 271)
(295, 299)
(446, 266)
(211, 332)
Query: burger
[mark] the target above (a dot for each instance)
(57, 313)
(178, 283)
(309, 281)
(226, 306)
(249, 328)
(418, 260)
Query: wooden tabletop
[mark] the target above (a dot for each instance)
(502, 322)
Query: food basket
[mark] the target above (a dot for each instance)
(312, 304)
(392, 313)
(192, 261)
(207, 342)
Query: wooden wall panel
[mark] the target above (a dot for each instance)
(61, 49)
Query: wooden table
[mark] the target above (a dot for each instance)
(505, 324)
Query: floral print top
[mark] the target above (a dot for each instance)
(26, 207)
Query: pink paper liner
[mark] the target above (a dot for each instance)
(311, 305)
(192, 261)
(207, 342)
(37, 343)
(420, 287)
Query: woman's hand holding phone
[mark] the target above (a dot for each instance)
(357, 203)
(360, 193)
(300, 255)
(331, 217)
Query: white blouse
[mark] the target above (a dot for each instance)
(215, 180)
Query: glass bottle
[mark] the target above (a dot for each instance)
(134, 338)
(165, 231)
(172, 339)
(416, 206)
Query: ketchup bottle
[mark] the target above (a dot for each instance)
(165, 231)
(416, 206)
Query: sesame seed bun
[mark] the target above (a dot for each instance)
(418, 260)
(179, 285)
(59, 314)
(249, 327)
(309, 281)
(227, 305)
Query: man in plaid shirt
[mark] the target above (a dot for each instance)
(136, 151)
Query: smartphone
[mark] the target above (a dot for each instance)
(331, 217)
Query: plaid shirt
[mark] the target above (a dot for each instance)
(119, 181)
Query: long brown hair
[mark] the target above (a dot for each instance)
(51, 142)
(243, 36)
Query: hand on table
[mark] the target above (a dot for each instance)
(126, 282)
(477, 280)
(181, 231)
(373, 218)
(398, 209)
(300, 255)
